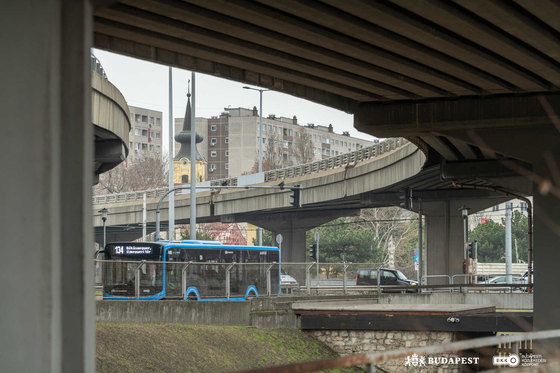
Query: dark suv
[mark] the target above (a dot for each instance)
(368, 276)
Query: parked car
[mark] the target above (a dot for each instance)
(503, 280)
(525, 278)
(368, 276)
(288, 282)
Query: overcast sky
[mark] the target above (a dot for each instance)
(145, 84)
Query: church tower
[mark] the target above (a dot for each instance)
(182, 161)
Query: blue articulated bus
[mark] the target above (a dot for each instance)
(188, 270)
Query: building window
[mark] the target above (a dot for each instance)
(138, 118)
(269, 128)
(264, 140)
(353, 146)
(130, 144)
(213, 166)
(523, 206)
(345, 144)
(227, 153)
(285, 144)
(213, 178)
(137, 146)
(145, 118)
(157, 148)
(226, 127)
(145, 133)
(144, 146)
(332, 142)
(157, 135)
(158, 121)
(227, 166)
(138, 132)
(496, 208)
(227, 140)
(213, 127)
(132, 117)
(336, 142)
(213, 141)
(274, 129)
(285, 132)
(213, 153)
(152, 121)
(151, 148)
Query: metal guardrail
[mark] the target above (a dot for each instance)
(274, 175)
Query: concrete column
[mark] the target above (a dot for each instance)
(46, 149)
(293, 227)
(546, 253)
(293, 245)
(444, 234)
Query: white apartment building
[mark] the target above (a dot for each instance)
(146, 132)
(231, 140)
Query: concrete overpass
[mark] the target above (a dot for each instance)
(370, 177)
(464, 80)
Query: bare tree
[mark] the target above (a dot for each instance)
(273, 153)
(148, 171)
(302, 147)
(395, 227)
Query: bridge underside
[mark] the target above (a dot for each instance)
(464, 80)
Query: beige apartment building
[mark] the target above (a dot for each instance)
(231, 140)
(146, 131)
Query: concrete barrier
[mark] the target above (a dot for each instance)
(202, 313)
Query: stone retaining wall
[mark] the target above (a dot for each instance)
(358, 342)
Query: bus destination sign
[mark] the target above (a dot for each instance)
(134, 250)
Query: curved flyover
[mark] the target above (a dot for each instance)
(339, 184)
(110, 116)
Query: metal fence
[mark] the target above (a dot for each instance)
(226, 281)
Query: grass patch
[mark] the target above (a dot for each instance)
(131, 347)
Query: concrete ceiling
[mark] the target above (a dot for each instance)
(429, 70)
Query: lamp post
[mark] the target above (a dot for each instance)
(104, 213)
(465, 213)
(259, 230)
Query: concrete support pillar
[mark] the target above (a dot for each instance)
(293, 245)
(546, 253)
(47, 272)
(293, 227)
(445, 234)
(444, 239)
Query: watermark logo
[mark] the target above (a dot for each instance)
(415, 361)
(525, 360)
(511, 360)
(421, 361)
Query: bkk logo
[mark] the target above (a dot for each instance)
(511, 360)
(526, 360)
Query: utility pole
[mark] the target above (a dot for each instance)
(509, 207)
(171, 181)
(192, 217)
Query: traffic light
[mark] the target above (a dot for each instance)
(313, 252)
(471, 250)
(406, 198)
(296, 196)
(464, 266)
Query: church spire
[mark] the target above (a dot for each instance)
(184, 137)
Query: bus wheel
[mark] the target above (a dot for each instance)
(192, 297)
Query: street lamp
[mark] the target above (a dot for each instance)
(104, 213)
(465, 213)
(259, 230)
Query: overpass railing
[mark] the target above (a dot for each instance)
(281, 174)
(325, 164)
